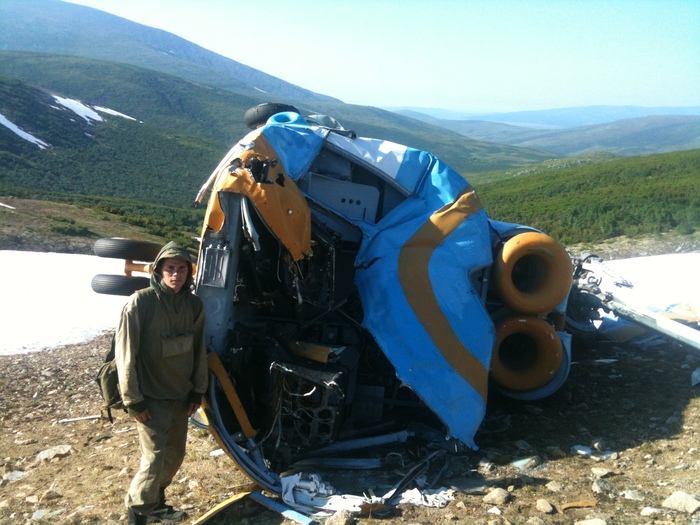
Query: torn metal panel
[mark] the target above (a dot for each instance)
(599, 288)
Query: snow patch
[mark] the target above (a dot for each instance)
(79, 109)
(49, 301)
(18, 131)
(113, 112)
(52, 303)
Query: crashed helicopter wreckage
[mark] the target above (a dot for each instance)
(358, 297)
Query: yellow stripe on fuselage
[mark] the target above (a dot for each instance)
(414, 277)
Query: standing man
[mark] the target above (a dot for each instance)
(162, 364)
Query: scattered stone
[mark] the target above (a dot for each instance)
(601, 472)
(556, 453)
(33, 499)
(544, 506)
(527, 463)
(634, 495)
(40, 514)
(554, 486)
(524, 480)
(497, 496)
(193, 484)
(45, 514)
(342, 517)
(580, 450)
(50, 495)
(651, 511)
(485, 465)
(15, 475)
(494, 510)
(594, 521)
(632, 472)
(600, 486)
(22, 442)
(682, 502)
(60, 451)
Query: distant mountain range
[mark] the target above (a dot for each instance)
(552, 118)
(631, 136)
(170, 109)
(62, 28)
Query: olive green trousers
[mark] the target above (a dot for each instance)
(162, 439)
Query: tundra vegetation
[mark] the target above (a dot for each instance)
(575, 202)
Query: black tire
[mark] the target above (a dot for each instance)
(259, 114)
(131, 249)
(118, 284)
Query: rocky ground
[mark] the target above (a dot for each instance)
(631, 406)
(618, 444)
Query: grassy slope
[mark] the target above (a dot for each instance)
(35, 225)
(79, 220)
(631, 196)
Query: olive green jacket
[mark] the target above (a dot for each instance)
(160, 349)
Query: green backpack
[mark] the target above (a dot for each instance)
(107, 378)
(107, 381)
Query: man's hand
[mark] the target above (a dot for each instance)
(193, 408)
(143, 416)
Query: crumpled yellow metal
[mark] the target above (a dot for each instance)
(278, 200)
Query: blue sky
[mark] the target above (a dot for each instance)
(465, 55)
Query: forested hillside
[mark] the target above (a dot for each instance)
(177, 133)
(636, 197)
(630, 196)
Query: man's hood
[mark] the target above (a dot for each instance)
(172, 250)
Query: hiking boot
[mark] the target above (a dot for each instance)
(166, 515)
(136, 519)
